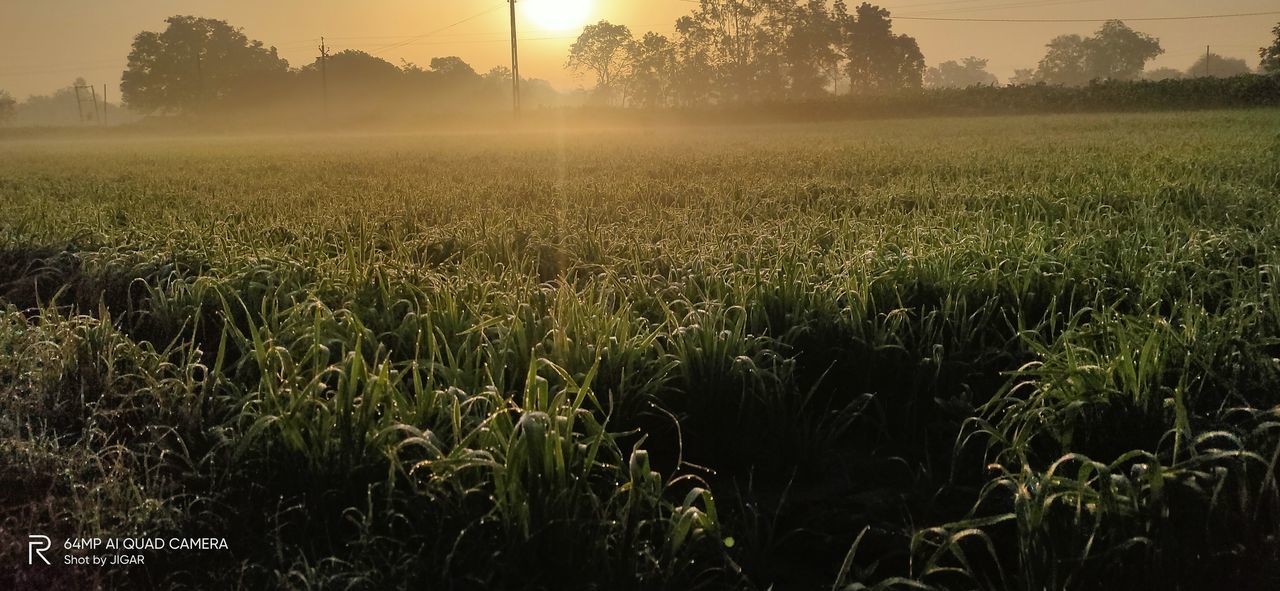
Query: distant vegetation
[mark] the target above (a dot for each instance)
(1217, 66)
(724, 53)
(1207, 66)
(204, 66)
(972, 71)
(767, 51)
(1246, 91)
(7, 107)
(1115, 52)
(61, 108)
(1271, 55)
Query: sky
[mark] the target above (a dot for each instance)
(45, 44)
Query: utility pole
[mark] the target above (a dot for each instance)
(104, 105)
(79, 103)
(324, 75)
(515, 63)
(87, 94)
(199, 80)
(1207, 57)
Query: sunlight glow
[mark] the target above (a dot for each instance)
(557, 15)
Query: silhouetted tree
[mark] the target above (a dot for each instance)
(876, 58)
(498, 75)
(736, 50)
(194, 61)
(8, 107)
(1065, 62)
(453, 69)
(810, 48)
(759, 49)
(972, 71)
(59, 108)
(498, 82)
(1271, 54)
(767, 74)
(652, 70)
(1115, 52)
(358, 80)
(695, 71)
(729, 28)
(731, 50)
(452, 81)
(1217, 66)
(358, 70)
(603, 50)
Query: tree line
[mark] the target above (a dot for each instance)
(201, 65)
(749, 51)
(723, 52)
(730, 51)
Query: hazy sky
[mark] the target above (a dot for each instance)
(44, 44)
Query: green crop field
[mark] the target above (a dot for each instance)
(985, 353)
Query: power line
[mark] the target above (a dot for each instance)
(440, 30)
(1066, 20)
(991, 7)
(1082, 20)
(87, 69)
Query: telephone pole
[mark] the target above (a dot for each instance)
(199, 80)
(1207, 56)
(324, 76)
(86, 93)
(515, 63)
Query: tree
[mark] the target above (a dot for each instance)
(498, 75)
(358, 71)
(8, 107)
(194, 61)
(356, 79)
(695, 71)
(454, 81)
(1025, 77)
(602, 49)
(1114, 52)
(741, 50)
(453, 68)
(1216, 66)
(1117, 52)
(810, 49)
(652, 68)
(59, 108)
(739, 42)
(55, 109)
(1064, 62)
(952, 74)
(876, 58)
(776, 48)
(1271, 55)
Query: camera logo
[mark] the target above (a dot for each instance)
(36, 546)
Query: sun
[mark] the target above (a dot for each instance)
(557, 15)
